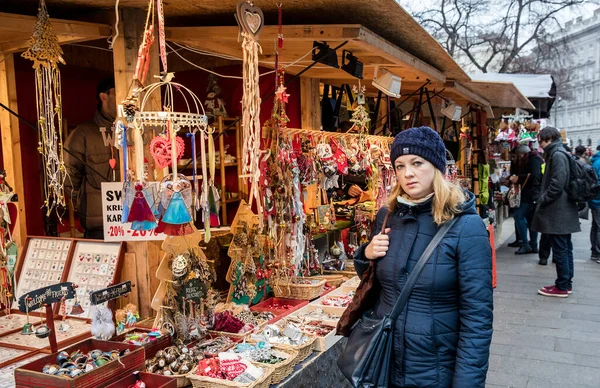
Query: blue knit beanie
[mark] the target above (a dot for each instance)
(421, 141)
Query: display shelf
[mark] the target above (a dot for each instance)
(7, 373)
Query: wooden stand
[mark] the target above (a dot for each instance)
(50, 324)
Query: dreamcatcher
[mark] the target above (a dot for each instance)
(251, 21)
(45, 52)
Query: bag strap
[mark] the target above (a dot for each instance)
(412, 279)
(524, 183)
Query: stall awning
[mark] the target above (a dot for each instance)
(15, 31)
(501, 94)
(531, 85)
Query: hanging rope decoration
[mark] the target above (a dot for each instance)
(251, 21)
(45, 52)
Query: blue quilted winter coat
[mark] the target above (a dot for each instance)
(443, 336)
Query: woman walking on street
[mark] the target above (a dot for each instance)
(443, 335)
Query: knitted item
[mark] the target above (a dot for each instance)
(421, 141)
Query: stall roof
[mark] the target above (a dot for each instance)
(386, 18)
(15, 31)
(501, 94)
(531, 85)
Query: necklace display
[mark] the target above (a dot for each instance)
(45, 52)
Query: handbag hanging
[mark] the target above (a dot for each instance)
(364, 298)
(366, 358)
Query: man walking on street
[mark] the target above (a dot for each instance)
(530, 180)
(556, 215)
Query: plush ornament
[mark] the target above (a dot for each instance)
(103, 327)
(226, 322)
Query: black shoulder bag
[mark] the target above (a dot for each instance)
(366, 358)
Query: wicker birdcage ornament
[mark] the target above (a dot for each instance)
(44, 50)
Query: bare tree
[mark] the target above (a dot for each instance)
(495, 36)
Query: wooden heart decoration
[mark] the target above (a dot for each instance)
(250, 18)
(160, 148)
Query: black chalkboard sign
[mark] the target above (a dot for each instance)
(41, 297)
(110, 293)
(194, 290)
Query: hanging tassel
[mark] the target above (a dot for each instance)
(204, 197)
(195, 201)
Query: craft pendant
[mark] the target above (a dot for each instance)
(179, 266)
(250, 18)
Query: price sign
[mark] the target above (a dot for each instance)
(112, 210)
(110, 293)
(41, 297)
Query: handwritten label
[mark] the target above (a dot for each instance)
(41, 297)
(112, 210)
(110, 293)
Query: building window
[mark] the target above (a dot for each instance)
(589, 142)
(579, 142)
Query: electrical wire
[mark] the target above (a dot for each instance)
(231, 58)
(92, 47)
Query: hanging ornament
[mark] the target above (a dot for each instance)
(27, 327)
(45, 52)
(76, 309)
(360, 116)
(251, 21)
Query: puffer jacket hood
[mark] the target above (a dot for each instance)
(443, 335)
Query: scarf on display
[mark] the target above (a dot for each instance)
(405, 199)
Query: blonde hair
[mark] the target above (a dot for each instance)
(447, 198)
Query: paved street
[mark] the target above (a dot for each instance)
(539, 341)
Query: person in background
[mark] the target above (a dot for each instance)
(516, 166)
(556, 215)
(442, 338)
(530, 179)
(580, 153)
(88, 162)
(594, 205)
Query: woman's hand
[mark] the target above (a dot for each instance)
(378, 246)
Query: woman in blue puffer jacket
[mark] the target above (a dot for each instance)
(443, 336)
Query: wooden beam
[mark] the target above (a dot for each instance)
(310, 103)
(299, 40)
(67, 31)
(469, 95)
(125, 54)
(11, 142)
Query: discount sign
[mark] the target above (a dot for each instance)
(112, 210)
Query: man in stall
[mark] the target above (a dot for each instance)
(92, 159)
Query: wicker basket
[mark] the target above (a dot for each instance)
(209, 382)
(303, 350)
(182, 381)
(284, 368)
(332, 280)
(285, 289)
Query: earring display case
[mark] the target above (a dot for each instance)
(89, 264)
(94, 266)
(43, 263)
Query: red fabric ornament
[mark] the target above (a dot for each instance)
(228, 323)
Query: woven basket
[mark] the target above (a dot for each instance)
(332, 280)
(285, 289)
(209, 382)
(182, 381)
(284, 368)
(303, 350)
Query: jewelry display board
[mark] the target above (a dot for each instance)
(43, 264)
(95, 265)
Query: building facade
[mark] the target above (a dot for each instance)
(579, 113)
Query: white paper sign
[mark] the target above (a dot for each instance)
(112, 209)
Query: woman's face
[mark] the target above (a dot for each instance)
(415, 175)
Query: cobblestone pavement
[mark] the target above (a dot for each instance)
(540, 341)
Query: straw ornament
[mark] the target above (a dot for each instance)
(45, 52)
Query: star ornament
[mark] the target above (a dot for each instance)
(281, 95)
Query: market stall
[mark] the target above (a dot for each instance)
(229, 228)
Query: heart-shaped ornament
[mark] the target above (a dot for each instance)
(113, 163)
(160, 148)
(250, 18)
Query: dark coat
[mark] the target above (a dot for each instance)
(530, 193)
(595, 203)
(555, 213)
(443, 336)
(87, 143)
